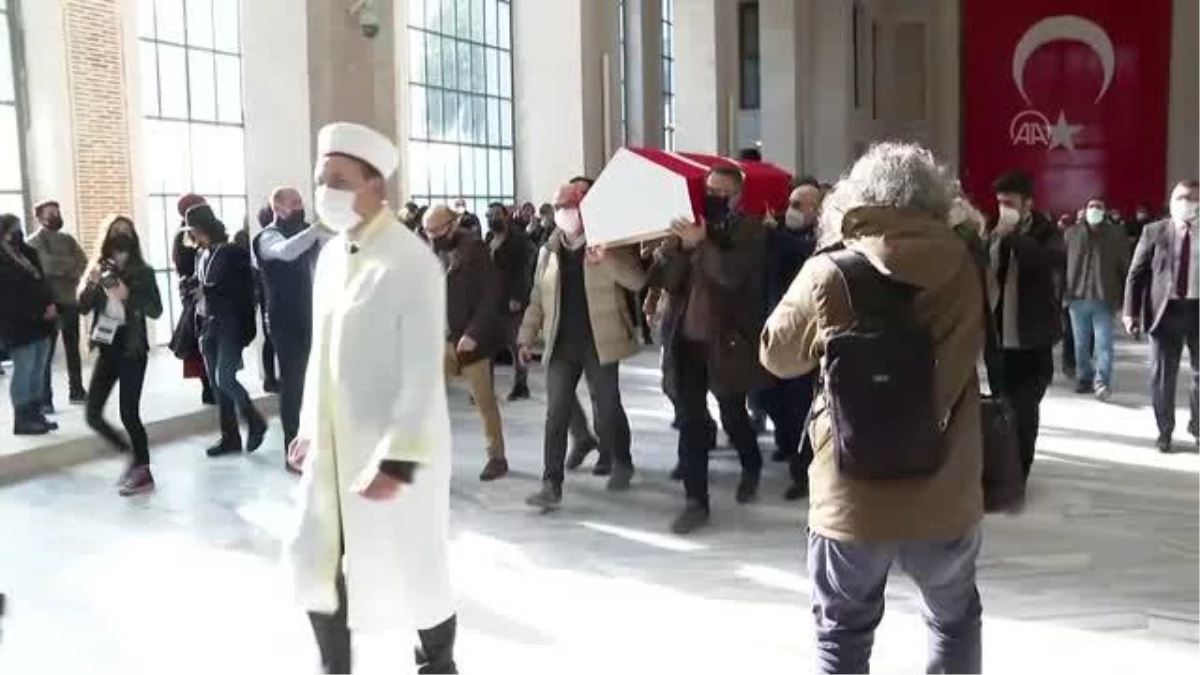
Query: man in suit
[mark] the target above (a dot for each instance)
(1162, 300)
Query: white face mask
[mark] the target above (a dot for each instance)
(1184, 210)
(794, 219)
(568, 221)
(336, 208)
(957, 214)
(1094, 215)
(1008, 216)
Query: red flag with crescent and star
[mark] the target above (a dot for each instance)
(1074, 92)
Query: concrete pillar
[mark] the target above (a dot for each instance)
(643, 72)
(831, 121)
(565, 121)
(786, 75)
(354, 78)
(705, 51)
(1183, 134)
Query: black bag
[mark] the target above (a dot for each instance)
(879, 381)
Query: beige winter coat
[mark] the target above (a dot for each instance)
(606, 284)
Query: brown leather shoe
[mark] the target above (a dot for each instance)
(496, 467)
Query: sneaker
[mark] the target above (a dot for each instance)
(549, 498)
(580, 449)
(1103, 393)
(519, 393)
(496, 467)
(621, 477)
(1164, 444)
(139, 481)
(78, 395)
(747, 489)
(1084, 388)
(694, 516)
(604, 465)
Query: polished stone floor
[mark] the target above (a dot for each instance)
(1100, 575)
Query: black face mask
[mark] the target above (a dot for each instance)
(716, 208)
(295, 217)
(121, 243)
(496, 224)
(55, 223)
(446, 243)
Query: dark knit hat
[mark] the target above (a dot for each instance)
(200, 218)
(188, 201)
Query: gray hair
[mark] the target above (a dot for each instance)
(890, 174)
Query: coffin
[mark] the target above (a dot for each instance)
(641, 191)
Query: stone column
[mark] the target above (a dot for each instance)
(643, 72)
(705, 52)
(559, 49)
(353, 78)
(786, 73)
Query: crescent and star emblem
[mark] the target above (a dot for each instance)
(1031, 127)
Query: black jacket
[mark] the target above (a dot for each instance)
(1042, 264)
(144, 302)
(24, 297)
(229, 293)
(512, 262)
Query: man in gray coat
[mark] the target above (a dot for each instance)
(64, 263)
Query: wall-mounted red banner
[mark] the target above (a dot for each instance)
(1075, 92)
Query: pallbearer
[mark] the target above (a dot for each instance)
(374, 438)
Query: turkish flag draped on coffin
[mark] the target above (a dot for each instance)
(1074, 92)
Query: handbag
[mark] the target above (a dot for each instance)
(1003, 477)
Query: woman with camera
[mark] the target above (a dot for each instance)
(121, 293)
(27, 316)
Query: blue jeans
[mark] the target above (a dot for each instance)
(223, 359)
(1092, 321)
(848, 582)
(29, 368)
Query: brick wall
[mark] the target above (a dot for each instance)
(96, 79)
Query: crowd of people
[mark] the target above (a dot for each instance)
(854, 321)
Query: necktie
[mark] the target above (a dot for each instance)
(1185, 261)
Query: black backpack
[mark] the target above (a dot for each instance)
(879, 381)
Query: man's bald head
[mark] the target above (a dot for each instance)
(285, 201)
(568, 196)
(439, 221)
(804, 205)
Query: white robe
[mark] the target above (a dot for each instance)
(374, 390)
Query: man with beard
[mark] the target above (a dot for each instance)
(510, 251)
(712, 270)
(287, 251)
(63, 262)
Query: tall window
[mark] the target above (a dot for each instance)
(668, 73)
(12, 196)
(748, 56)
(461, 102)
(190, 66)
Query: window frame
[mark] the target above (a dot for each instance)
(10, 14)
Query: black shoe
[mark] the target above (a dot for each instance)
(1194, 429)
(549, 498)
(40, 414)
(207, 398)
(519, 393)
(604, 465)
(47, 408)
(1164, 444)
(747, 489)
(1085, 388)
(796, 492)
(496, 467)
(435, 656)
(580, 449)
(694, 516)
(271, 386)
(78, 395)
(621, 477)
(221, 449)
(677, 472)
(257, 431)
(779, 455)
(27, 423)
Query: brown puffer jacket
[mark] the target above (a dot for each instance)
(472, 297)
(914, 249)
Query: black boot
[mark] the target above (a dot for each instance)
(28, 422)
(436, 653)
(333, 641)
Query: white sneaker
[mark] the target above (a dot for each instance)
(1103, 393)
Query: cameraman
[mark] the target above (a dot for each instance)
(121, 293)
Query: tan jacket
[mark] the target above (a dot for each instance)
(606, 283)
(911, 248)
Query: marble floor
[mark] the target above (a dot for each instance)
(1099, 575)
